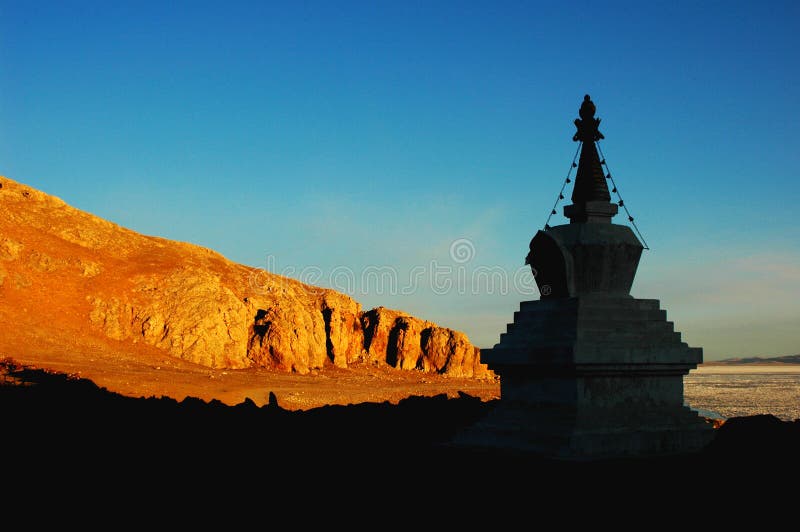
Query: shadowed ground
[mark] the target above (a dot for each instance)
(55, 422)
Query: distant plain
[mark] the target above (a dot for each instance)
(745, 390)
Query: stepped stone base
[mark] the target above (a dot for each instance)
(591, 377)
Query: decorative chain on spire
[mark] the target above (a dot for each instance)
(590, 182)
(563, 186)
(615, 190)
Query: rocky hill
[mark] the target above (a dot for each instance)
(72, 281)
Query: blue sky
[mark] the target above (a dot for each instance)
(357, 136)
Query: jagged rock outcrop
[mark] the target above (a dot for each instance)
(344, 333)
(79, 279)
(407, 342)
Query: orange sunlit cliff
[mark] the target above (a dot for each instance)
(74, 283)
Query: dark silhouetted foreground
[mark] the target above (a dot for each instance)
(69, 426)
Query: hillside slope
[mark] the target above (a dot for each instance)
(75, 283)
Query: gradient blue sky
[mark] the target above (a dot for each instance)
(357, 134)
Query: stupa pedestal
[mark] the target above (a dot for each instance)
(591, 377)
(588, 371)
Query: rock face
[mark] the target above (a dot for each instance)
(76, 278)
(407, 342)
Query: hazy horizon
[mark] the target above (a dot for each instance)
(411, 152)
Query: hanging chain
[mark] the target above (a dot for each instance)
(615, 190)
(563, 186)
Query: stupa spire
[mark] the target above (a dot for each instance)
(591, 201)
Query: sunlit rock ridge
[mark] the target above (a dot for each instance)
(72, 279)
